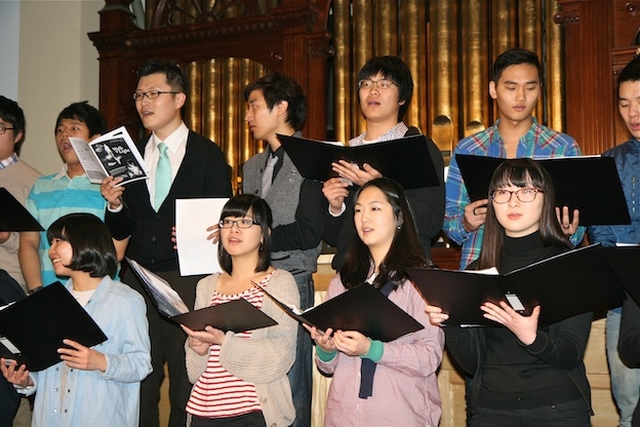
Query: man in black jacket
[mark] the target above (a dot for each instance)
(181, 164)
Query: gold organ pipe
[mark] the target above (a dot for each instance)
(229, 110)
(555, 69)
(530, 35)
(342, 73)
(474, 52)
(192, 116)
(212, 101)
(385, 24)
(362, 51)
(503, 37)
(414, 53)
(443, 63)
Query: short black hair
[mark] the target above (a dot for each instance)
(176, 77)
(631, 71)
(277, 87)
(87, 114)
(11, 112)
(515, 56)
(392, 68)
(240, 206)
(89, 237)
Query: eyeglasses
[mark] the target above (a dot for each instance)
(525, 195)
(380, 84)
(151, 94)
(241, 223)
(4, 129)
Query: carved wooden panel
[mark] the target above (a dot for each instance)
(290, 37)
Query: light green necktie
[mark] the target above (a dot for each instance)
(163, 175)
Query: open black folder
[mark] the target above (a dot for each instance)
(589, 184)
(406, 160)
(626, 262)
(568, 284)
(33, 328)
(237, 316)
(363, 309)
(14, 216)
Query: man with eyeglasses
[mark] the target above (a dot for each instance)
(276, 105)
(385, 88)
(18, 178)
(516, 87)
(181, 164)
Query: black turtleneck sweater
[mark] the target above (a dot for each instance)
(509, 375)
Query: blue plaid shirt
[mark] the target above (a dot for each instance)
(539, 141)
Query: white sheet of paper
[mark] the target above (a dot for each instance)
(196, 254)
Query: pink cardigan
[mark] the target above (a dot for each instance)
(405, 387)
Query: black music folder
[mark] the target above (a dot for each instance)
(625, 260)
(363, 309)
(590, 184)
(14, 216)
(568, 284)
(406, 160)
(33, 328)
(236, 316)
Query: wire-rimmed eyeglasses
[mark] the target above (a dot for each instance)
(380, 84)
(150, 94)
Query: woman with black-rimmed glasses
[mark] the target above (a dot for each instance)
(240, 379)
(521, 374)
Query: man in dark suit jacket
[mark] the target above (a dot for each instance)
(10, 291)
(181, 164)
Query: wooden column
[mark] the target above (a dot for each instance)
(599, 37)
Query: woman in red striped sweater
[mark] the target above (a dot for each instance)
(240, 379)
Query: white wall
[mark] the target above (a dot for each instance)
(9, 54)
(57, 65)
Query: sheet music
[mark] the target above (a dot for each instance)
(196, 254)
(167, 299)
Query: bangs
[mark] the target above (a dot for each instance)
(518, 175)
(244, 206)
(234, 210)
(55, 231)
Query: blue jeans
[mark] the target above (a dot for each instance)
(301, 373)
(625, 382)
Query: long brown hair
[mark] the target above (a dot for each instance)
(520, 173)
(405, 251)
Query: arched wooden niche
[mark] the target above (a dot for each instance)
(224, 45)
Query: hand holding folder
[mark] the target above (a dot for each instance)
(363, 309)
(237, 316)
(590, 184)
(406, 160)
(568, 284)
(33, 328)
